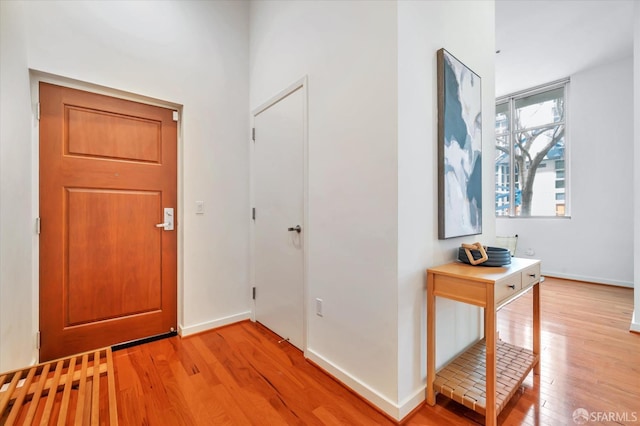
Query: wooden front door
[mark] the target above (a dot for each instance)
(107, 172)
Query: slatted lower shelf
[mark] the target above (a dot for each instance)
(78, 390)
(464, 379)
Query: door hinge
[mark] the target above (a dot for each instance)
(38, 110)
(38, 339)
(253, 134)
(253, 293)
(253, 213)
(38, 225)
(176, 116)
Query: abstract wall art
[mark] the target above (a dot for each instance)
(459, 148)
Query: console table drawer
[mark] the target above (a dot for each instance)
(531, 275)
(507, 287)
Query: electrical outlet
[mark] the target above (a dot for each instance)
(530, 252)
(319, 307)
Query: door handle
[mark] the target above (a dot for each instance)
(298, 229)
(168, 220)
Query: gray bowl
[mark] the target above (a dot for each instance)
(498, 256)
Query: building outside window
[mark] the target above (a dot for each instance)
(531, 178)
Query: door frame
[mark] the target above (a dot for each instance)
(300, 84)
(37, 76)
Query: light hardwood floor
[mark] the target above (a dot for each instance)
(241, 375)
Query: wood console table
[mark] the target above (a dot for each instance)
(487, 375)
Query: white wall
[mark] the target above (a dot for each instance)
(17, 337)
(596, 243)
(467, 30)
(194, 54)
(348, 49)
(635, 325)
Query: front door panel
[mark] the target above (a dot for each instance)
(107, 171)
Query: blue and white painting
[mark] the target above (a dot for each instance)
(460, 148)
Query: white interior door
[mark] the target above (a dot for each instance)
(278, 227)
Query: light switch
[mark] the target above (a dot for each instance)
(199, 207)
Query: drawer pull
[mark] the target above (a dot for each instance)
(532, 275)
(512, 286)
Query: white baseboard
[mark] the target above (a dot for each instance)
(209, 325)
(595, 280)
(635, 321)
(389, 407)
(409, 404)
(356, 385)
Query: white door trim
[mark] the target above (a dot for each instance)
(35, 77)
(301, 84)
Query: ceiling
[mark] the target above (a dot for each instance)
(541, 41)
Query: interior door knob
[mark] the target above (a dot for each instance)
(298, 229)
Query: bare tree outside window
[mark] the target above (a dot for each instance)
(530, 152)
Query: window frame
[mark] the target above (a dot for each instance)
(510, 100)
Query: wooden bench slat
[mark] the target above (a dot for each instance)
(66, 394)
(113, 407)
(4, 401)
(48, 406)
(82, 390)
(17, 405)
(95, 406)
(36, 395)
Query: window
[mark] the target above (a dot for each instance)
(531, 178)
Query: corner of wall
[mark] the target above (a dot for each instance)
(185, 331)
(358, 386)
(635, 323)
